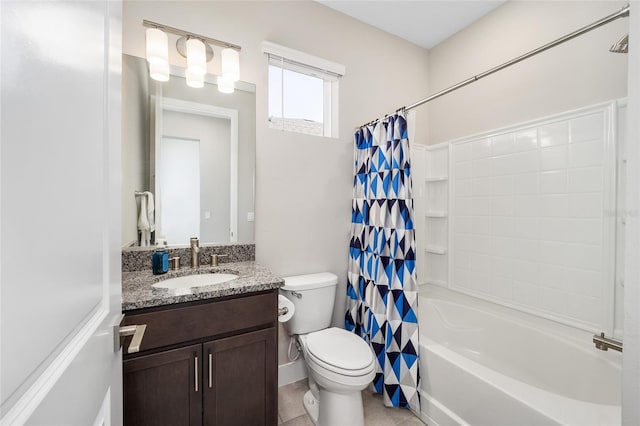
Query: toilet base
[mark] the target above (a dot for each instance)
(311, 406)
(336, 409)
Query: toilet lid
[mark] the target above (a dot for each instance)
(339, 348)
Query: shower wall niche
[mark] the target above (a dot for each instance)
(526, 216)
(436, 216)
(430, 174)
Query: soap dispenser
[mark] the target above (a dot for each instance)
(160, 261)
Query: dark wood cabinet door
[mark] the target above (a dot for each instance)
(164, 388)
(241, 380)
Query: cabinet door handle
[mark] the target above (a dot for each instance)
(195, 365)
(210, 370)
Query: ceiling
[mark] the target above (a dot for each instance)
(423, 22)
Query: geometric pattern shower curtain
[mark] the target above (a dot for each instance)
(382, 296)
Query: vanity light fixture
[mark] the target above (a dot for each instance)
(159, 71)
(157, 46)
(194, 80)
(197, 49)
(196, 56)
(225, 85)
(230, 64)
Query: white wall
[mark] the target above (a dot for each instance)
(578, 73)
(303, 183)
(135, 143)
(631, 355)
(620, 239)
(529, 218)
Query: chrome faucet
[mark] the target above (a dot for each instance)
(195, 251)
(604, 343)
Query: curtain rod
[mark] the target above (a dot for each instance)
(622, 13)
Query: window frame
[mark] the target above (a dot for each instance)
(303, 63)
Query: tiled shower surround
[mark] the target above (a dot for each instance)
(139, 258)
(532, 223)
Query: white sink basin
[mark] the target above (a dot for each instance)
(198, 280)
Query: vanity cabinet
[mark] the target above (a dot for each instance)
(241, 384)
(204, 363)
(159, 389)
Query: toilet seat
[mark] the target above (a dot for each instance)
(340, 352)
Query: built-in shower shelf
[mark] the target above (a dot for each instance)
(436, 250)
(436, 213)
(436, 179)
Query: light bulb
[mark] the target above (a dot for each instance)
(225, 85)
(157, 46)
(196, 56)
(159, 71)
(194, 80)
(231, 64)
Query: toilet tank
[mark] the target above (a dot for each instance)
(313, 296)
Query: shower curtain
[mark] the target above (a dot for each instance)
(382, 296)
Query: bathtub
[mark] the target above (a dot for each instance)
(484, 364)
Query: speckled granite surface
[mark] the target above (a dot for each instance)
(139, 258)
(137, 292)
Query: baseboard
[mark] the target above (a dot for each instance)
(424, 418)
(292, 372)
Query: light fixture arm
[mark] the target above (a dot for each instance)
(179, 32)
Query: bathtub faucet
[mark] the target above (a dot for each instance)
(604, 343)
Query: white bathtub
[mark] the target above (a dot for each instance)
(484, 364)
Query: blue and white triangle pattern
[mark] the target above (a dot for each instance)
(382, 296)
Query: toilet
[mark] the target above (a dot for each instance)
(340, 364)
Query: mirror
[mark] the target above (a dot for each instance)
(193, 149)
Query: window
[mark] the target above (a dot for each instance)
(296, 101)
(303, 92)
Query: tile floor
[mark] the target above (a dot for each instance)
(291, 411)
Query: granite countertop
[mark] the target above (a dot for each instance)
(137, 292)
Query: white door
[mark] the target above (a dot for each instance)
(180, 188)
(60, 290)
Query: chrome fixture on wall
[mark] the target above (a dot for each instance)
(197, 51)
(622, 46)
(215, 258)
(604, 343)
